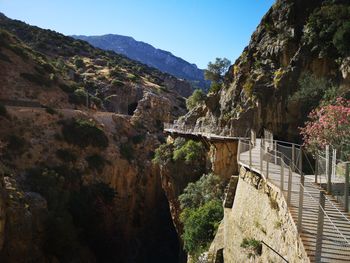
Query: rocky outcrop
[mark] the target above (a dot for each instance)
(259, 84)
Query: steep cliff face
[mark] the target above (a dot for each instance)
(288, 43)
(77, 182)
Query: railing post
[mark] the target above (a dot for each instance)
(320, 223)
(267, 168)
(293, 157)
(282, 175)
(250, 155)
(261, 156)
(239, 150)
(346, 187)
(275, 147)
(301, 201)
(328, 170)
(301, 160)
(289, 195)
(316, 168)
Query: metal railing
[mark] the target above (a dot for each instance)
(282, 164)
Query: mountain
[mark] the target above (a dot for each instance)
(149, 55)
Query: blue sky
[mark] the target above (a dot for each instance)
(196, 30)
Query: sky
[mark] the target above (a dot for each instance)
(195, 30)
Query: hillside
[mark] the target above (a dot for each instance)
(296, 58)
(79, 127)
(149, 55)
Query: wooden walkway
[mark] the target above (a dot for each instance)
(336, 230)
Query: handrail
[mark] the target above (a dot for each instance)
(274, 251)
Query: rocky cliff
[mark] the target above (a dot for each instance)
(294, 39)
(147, 54)
(79, 128)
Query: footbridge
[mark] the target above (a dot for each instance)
(316, 190)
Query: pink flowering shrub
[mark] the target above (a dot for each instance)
(330, 125)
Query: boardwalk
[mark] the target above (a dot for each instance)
(336, 231)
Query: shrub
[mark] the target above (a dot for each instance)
(15, 143)
(66, 88)
(327, 30)
(37, 79)
(196, 98)
(50, 110)
(208, 187)
(190, 152)
(3, 110)
(78, 97)
(96, 162)
(248, 87)
(66, 155)
(84, 133)
(200, 226)
(138, 138)
(163, 154)
(253, 246)
(127, 151)
(312, 90)
(79, 63)
(329, 125)
(215, 87)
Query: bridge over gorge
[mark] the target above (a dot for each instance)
(320, 217)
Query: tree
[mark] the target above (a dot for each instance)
(329, 125)
(200, 226)
(197, 97)
(190, 152)
(215, 73)
(207, 188)
(216, 70)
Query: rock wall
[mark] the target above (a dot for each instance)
(259, 211)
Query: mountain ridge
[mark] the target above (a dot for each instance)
(148, 54)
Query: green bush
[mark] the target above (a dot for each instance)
(253, 246)
(78, 97)
(208, 187)
(312, 90)
(190, 152)
(200, 226)
(138, 138)
(163, 154)
(84, 133)
(66, 155)
(50, 110)
(96, 162)
(195, 99)
(327, 30)
(79, 63)
(66, 88)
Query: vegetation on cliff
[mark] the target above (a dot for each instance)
(202, 211)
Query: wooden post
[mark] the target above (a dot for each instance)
(320, 222)
(346, 187)
(301, 200)
(250, 155)
(282, 175)
(328, 170)
(293, 158)
(289, 196)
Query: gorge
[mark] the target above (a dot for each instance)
(101, 161)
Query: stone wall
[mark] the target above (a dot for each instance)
(260, 212)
